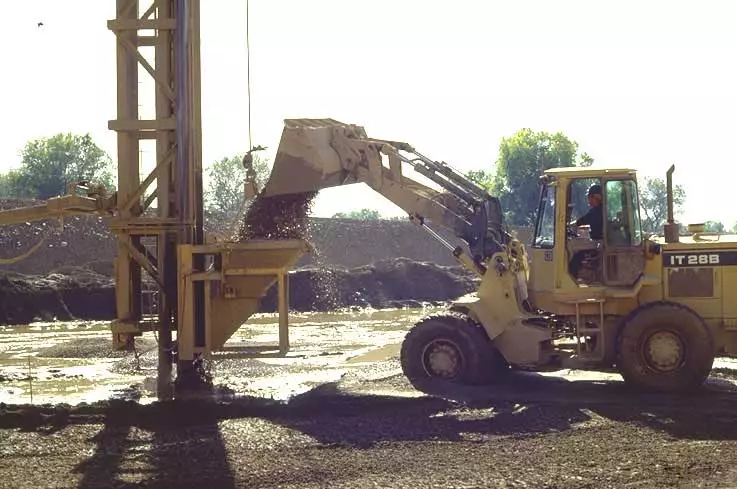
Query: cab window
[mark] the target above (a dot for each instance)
(622, 213)
(578, 204)
(545, 228)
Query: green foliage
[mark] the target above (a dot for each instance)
(654, 203)
(50, 164)
(522, 159)
(483, 178)
(363, 214)
(714, 227)
(224, 197)
(9, 184)
(585, 160)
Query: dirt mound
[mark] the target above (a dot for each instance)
(84, 294)
(77, 241)
(389, 283)
(86, 241)
(76, 294)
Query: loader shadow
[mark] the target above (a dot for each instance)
(363, 421)
(180, 444)
(707, 414)
(526, 404)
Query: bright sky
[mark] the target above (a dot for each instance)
(638, 84)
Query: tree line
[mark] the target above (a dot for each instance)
(49, 165)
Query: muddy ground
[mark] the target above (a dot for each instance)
(337, 413)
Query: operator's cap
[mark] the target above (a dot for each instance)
(595, 189)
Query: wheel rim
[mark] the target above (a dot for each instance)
(442, 358)
(664, 351)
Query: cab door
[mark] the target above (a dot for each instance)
(623, 260)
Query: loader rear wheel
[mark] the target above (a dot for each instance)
(450, 347)
(665, 347)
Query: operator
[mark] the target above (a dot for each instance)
(594, 218)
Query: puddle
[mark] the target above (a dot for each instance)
(72, 362)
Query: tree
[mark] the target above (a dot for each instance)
(522, 158)
(654, 203)
(224, 196)
(482, 178)
(9, 184)
(714, 227)
(50, 164)
(363, 214)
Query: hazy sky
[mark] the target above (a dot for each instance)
(642, 84)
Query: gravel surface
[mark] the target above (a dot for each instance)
(336, 436)
(277, 217)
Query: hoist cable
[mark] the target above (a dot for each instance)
(248, 76)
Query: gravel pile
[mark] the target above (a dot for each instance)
(86, 241)
(277, 217)
(386, 284)
(71, 293)
(74, 293)
(81, 240)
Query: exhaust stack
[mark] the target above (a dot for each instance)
(671, 228)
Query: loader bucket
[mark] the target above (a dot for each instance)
(306, 160)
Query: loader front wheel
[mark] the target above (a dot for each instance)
(452, 348)
(665, 347)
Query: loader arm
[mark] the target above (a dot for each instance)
(319, 153)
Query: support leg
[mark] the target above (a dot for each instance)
(283, 307)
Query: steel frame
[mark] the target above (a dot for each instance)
(147, 241)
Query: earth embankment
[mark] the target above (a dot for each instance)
(77, 293)
(357, 263)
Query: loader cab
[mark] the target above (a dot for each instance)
(569, 255)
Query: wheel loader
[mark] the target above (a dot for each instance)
(657, 309)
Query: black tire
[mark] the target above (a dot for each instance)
(454, 337)
(686, 354)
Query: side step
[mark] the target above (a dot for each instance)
(594, 350)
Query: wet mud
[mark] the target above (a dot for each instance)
(372, 430)
(318, 418)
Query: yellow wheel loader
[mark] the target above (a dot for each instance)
(657, 309)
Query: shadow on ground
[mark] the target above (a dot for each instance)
(180, 442)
